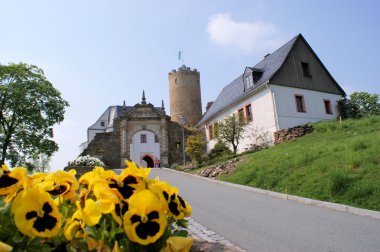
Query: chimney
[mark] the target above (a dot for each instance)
(208, 106)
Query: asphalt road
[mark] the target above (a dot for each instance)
(258, 222)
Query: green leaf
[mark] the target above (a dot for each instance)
(183, 223)
(181, 233)
(18, 237)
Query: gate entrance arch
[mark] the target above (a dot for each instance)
(149, 161)
(145, 148)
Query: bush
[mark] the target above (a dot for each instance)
(220, 149)
(86, 161)
(174, 166)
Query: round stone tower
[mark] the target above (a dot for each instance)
(185, 95)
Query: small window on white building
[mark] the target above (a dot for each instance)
(102, 124)
(248, 112)
(143, 138)
(328, 107)
(300, 103)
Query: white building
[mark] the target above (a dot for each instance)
(287, 88)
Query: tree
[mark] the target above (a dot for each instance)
(195, 147)
(29, 107)
(231, 131)
(366, 104)
(360, 104)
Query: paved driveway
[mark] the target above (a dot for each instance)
(258, 222)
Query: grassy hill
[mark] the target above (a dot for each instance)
(337, 163)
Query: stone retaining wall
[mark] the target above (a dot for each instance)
(286, 135)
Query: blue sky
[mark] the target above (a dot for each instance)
(99, 53)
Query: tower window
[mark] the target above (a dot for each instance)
(156, 139)
(300, 103)
(305, 69)
(143, 138)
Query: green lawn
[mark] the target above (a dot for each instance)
(337, 163)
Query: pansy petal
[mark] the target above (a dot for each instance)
(178, 244)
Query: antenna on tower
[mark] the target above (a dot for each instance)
(180, 57)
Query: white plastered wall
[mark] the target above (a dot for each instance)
(314, 102)
(263, 119)
(138, 150)
(97, 126)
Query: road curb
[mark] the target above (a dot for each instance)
(338, 207)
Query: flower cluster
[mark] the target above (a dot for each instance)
(86, 161)
(101, 211)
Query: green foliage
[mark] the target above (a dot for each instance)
(339, 183)
(338, 162)
(367, 104)
(231, 131)
(195, 147)
(220, 149)
(29, 107)
(360, 104)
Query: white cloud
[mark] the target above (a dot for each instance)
(249, 37)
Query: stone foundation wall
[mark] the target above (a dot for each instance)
(286, 135)
(106, 147)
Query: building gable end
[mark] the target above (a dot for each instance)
(303, 69)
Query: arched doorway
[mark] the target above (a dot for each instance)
(145, 143)
(149, 161)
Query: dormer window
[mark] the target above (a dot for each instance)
(251, 77)
(249, 81)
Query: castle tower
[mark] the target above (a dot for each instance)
(185, 95)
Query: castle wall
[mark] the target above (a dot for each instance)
(105, 146)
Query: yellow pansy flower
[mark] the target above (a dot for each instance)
(116, 247)
(177, 244)
(93, 210)
(145, 221)
(185, 207)
(74, 227)
(61, 183)
(174, 204)
(132, 179)
(13, 181)
(38, 177)
(35, 213)
(119, 211)
(93, 244)
(5, 247)
(90, 178)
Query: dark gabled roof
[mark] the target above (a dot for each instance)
(235, 90)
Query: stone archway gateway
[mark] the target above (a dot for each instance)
(145, 148)
(149, 161)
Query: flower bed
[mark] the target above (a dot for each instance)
(102, 211)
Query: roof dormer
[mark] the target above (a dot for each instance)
(251, 76)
